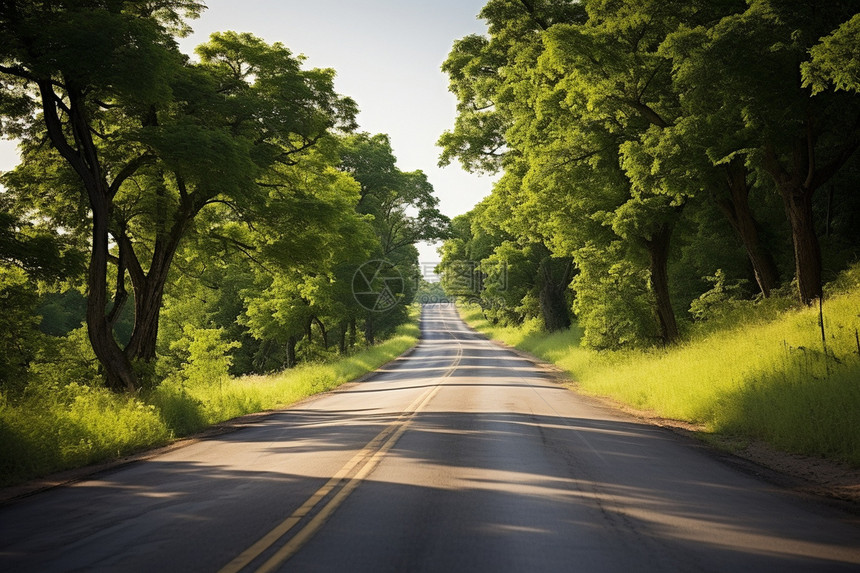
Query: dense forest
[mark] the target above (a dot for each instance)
(659, 161)
(177, 218)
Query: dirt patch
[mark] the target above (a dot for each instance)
(818, 476)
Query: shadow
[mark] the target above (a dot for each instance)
(488, 476)
(488, 491)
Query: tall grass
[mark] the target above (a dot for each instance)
(67, 426)
(765, 379)
(187, 409)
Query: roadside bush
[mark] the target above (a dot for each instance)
(613, 301)
(204, 356)
(71, 426)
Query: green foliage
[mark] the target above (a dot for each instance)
(612, 303)
(513, 279)
(41, 252)
(713, 301)
(19, 337)
(71, 426)
(62, 312)
(204, 356)
(64, 360)
(387, 193)
(835, 60)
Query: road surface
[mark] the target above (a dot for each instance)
(460, 457)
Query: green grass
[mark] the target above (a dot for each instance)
(190, 409)
(74, 425)
(765, 379)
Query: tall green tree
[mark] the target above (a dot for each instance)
(152, 139)
(309, 245)
(64, 67)
(762, 111)
(568, 84)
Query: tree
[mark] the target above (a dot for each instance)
(309, 245)
(404, 211)
(604, 77)
(152, 138)
(387, 193)
(69, 65)
(767, 118)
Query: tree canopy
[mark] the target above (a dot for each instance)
(227, 192)
(623, 128)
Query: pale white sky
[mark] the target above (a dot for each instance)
(387, 55)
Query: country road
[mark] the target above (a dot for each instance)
(461, 456)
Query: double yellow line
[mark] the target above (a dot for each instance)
(359, 467)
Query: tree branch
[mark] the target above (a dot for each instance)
(130, 169)
(18, 72)
(132, 263)
(530, 10)
(648, 113)
(243, 248)
(828, 171)
(55, 131)
(121, 294)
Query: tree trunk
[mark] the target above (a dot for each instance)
(149, 286)
(84, 159)
(658, 251)
(291, 351)
(323, 331)
(807, 171)
(341, 343)
(807, 250)
(352, 333)
(309, 329)
(119, 375)
(368, 329)
(147, 311)
(553, 303)
(737, 211)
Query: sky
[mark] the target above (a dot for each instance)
(387, 55)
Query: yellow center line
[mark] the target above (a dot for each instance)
(370, 456)
(316, 523)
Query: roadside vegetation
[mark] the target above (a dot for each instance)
(766, 377)
(60, 427)
(185, 239)
(677, 183)
(653, 159)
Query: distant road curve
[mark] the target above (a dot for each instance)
(461, 456)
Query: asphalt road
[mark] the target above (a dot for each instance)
(460, 457)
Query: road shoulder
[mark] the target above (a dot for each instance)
(833, 483)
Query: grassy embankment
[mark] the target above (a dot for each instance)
(77, 425)
(761, 375)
